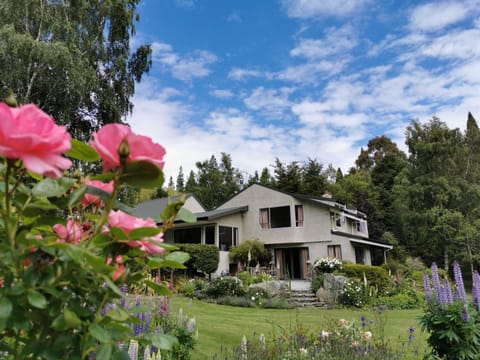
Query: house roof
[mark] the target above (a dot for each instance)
(153, 208)
(218, 213)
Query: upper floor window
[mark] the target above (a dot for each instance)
(275, 217)
(299, 215)
(337, 220)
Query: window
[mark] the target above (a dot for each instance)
(188, 236)
(299, 215)
(210, 234)
(227, 237)
(334, 251)
(276, 217)
(337, 220)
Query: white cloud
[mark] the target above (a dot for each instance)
(272, 103)
(241, 74)
(234, 17)
(222, 93)
(308, 73)
(321, 8)
(437, 15)
(184, 68)
(459, 44)
(337, 41)
(186, 4)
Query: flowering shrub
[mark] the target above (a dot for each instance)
(452, 321)
(354, 293)
(67, 244)
(327, 265)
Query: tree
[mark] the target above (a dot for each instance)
(436, 188)
(191, 184)
(314, 181)
(250, 253)
(180, 186)
(72, 58)
(288, 178)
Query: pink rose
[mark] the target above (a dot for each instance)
(127, 223)
(119, 267)
(29, 134)
(90, 199)
(107, 140)
(72, 233)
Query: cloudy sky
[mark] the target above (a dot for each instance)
(299, 79)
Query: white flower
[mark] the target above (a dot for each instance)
(325, 334)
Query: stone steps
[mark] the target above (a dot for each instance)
(305, 298)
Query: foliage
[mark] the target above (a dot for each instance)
(317, 282)
(355, 293)
(224, 286)
(404, 299)
(248, 278)
(374, 276)
(73, 58)
(452, 322)
(204, 258)
(65, 246)
(153, 315)
(250, 253)
(327, 265)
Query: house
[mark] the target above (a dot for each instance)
(296, 229)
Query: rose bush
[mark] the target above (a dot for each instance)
(67, 244)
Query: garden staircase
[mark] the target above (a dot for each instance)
(305, 298)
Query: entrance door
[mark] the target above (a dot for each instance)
(292, 262)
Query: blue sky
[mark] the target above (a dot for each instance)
(299, 79)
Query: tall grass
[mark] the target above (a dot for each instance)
(223, 326)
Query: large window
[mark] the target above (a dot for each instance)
(227, 237)
(188, 236)
(334, 251)
(275, 217)
(210, 234)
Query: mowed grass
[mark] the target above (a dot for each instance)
(223, 326)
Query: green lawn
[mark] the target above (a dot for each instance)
(221, 325)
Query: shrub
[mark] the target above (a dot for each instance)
(317, 282)
(376, 276)
(327, 265)
(226, 286)
(203, 258)
(354, 294)
(256, 249)
(453, 323)
(407, 299)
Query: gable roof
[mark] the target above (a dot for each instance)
(218, 213)
(153, 208)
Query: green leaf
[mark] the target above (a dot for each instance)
(71, 319)
(112, 286)
(118, 314)
(143, 174)
(105, 352)
(140, 233)
(121, 355)
(178, 256)
(160, 289)
(75, 197)
(59, 323)
(101, 240)
(125, 208)
(105, 177)
(162, 341)
(37, 299)
(99, 333)
(82, 151)
(53, 187)
(5, 308)
(118, 233)
(186, 215)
